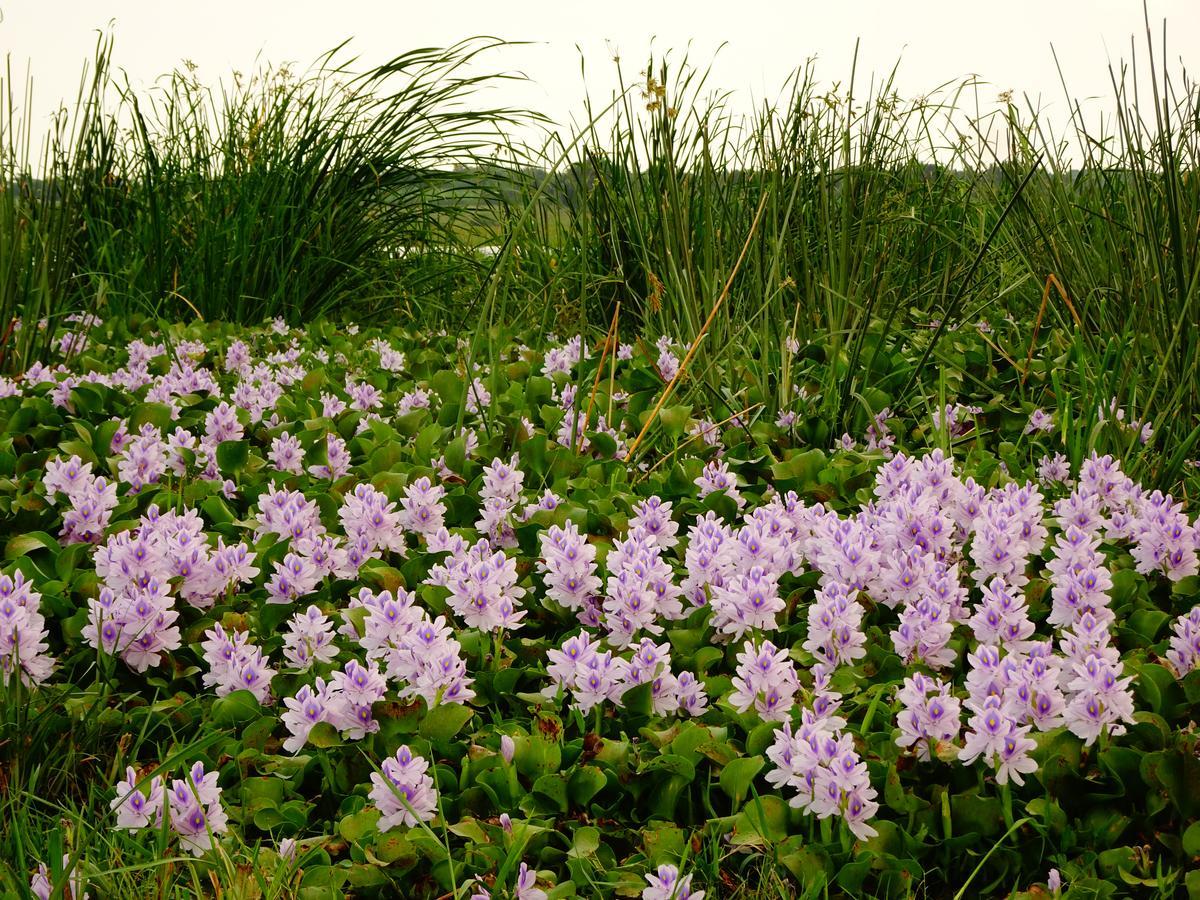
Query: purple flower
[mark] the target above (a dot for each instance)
(404, 792)
(1184, 654)
(835, 634)
(716, 478)
(748, 602)
(308, 707)
(667, 884)
(931, 714)
(569, 564)
(766, 680)
(526, 887)
(195, 809)
(136, 808)
(1039, 420)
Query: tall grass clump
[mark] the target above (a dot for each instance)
(290, 195)
(871, 221)
(42, 182)
(888, 225)
(1114, 215)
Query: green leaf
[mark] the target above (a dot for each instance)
(671, 764)
(585, 842)
(738, 775)
(639, 700)
(394, 846)
(235, 709)
(263, 789)
(323, 735)
(445, 721)
(358, 825)
(157, 414)
(763, 817)
(1191, 839)
(233, 455)
(553, 787)
(675, 419)
(761, 737)
(586, 782)
(24, 544)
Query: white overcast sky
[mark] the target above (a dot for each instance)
(1004, 42)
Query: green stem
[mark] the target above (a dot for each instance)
(1006, 800)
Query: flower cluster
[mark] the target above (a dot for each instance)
(666, 883)
(416, 651)
(766, 680)
(819, 761)
(403, 791)
(92, 499)
(568, 562)
(483, 587)
(345, 702)
(1184, 654)
(931, 714)
(193, 805)
(593, 676)
(234, 664)
(23, 647)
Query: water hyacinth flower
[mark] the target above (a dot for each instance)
(1102, 700)
(286, 454)
(369, 518)
(568, 562)
(1184, 655)
(404, 792)
(1039, 420)
(423, 510)
(668, 362)
(23, 633)
(195, 809)
(235, 664)
(337, 458)
(667, 884)
(305, 710)
(137, 625)
(835, 635)
(137, 808)
(599, 679)
(716, 478)
(747, 603)
(1001, 617)
(309, 639)
(931, 714)
(345, 702)
(995, 737)
(91, 499)
(76, 886)
(287, 849)
(525, 887)
(1054, 470)
(640, 590)
(766, 680)
(483, 587)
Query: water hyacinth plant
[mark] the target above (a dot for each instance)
(307, 628)
(792, 505)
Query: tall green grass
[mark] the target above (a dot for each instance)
(1118, 222)
(42, 178)
(274, 194)
(872, 222)
(889, 224)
